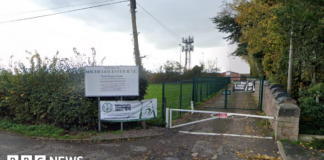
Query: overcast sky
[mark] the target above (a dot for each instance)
(108, 29)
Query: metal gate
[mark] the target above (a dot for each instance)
(213, 115)
(229, 92)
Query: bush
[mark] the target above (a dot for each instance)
(312, 117)
(51, 92)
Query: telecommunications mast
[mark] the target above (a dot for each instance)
(188, 48)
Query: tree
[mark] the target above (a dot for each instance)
(210, 67)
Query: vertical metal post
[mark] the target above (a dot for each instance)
(226, 87)
(178, 105)
(261, 102)
(200, 91)
(199, 95)
(180, 96)
(167, 118)
(207, 89)
(121, 123)
(193, 91)
(170, 117)
(163, 109)
(99, 122)
(260, 80)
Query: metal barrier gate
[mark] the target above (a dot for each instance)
(219, 115)
(181, 94)
(228, 95)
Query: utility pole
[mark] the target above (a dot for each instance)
(188, 47)
(135, 33)
(138, 60)
(180, 56)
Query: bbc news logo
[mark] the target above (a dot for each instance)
(42, 157)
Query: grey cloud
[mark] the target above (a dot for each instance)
(185, 17)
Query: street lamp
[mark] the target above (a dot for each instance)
(203, 57)
(216, 65)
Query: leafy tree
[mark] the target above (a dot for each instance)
(227, 24)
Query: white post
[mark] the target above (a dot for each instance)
(170, 118)
(192, 106)
(167, 118)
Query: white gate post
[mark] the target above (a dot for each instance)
(192, 106)
(167, 118)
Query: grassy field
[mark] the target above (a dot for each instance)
(155, 91)
(172, 92)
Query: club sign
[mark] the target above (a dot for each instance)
(246, 86)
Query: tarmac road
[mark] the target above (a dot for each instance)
(171, 146)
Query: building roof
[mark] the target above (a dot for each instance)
(229, 71)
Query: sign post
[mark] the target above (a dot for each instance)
(121, 123)
(99, 122)
(113, 81)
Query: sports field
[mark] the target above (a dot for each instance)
(172, 93)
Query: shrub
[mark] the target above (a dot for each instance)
(312, 117)
(51, 92)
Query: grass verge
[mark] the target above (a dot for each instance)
(46, 131)
(317, 144)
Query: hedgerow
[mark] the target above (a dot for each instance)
(50, 91)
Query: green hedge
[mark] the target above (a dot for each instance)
(51, 91)
(311, 112)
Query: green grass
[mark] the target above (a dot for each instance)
(314, 144)
(172, 92)
(42, 131)
(155, 91)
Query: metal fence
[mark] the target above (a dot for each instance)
(180, 94)
(176, 95)
(207, 86)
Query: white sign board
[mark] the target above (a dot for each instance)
(123, 111)
(106, 81)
